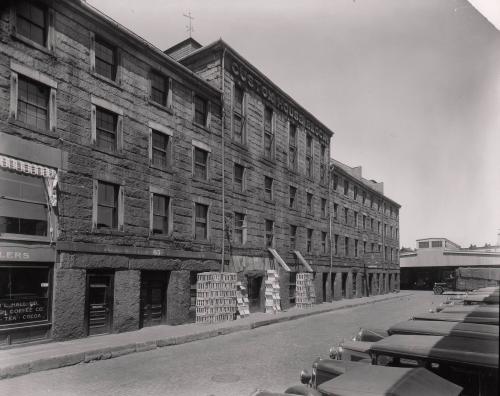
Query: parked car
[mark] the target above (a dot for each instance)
(358, 379)
(352, 351)
(370, 334)
(440, 328)
(469, 362)
(458, 317)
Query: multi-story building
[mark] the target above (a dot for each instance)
(125, 171)
(365, 240)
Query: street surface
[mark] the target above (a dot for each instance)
(269, 357)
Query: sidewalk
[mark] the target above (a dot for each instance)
(40, 357)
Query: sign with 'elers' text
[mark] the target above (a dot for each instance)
(39, 253)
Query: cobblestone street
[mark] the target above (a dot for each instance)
(269, 357)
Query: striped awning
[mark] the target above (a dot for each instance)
(26, 167)
(303, 261)
(278, 258)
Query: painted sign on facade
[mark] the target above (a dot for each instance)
(23, 310)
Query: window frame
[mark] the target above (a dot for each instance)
(292, 199)
(166, 101)
(207, 114)
(242, 114)
(309, 203)
(292, 146)
(196, 145)
(111, 108)
(271, 133)
(270, 233)
(243, 178)
(17, 70)
(153, 128)
(120, 205)
(169, 211)
(243, 229)
(206, 222)
(324, 242)
(293, 236)
(309, 240)
(268, 196)
(49, 30)
(309, 156)
(118, 69)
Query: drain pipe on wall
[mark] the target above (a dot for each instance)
(223, 116)
(330, 220)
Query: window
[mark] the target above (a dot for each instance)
(386, 257)
(356, 243)
(346, 246)
(160, 149)
(437, 243)
(346, 213)
(346, 187)
(355, 193)
(323, 207)
(336, 244)
(269, 233)
(238, 115)
(373, 248)
(372, 226)
(364, 247)
(385, 230)
(379, 228)
(309, 156)
(268, 133)
(159, 89)
(200, 163)
(309, 197)
(379, 248)
(293, 198)
(335, 211)
(201, 222)
(32, 22)
(391, 232)
(423, 245)
(33, 103)
(292, 146)
(107, 205)
(364, 222)
(161, 209)
(335, 182)
(323, 242)
(293, 237)
(268, 188)
(240, 228)
(364, 197)
(356, 219)
(372, 201)
(239, 178)
(105, 59)
(106, 128)
(309, 240)
(397, 233)
(200, 110)
(322, 166)
(380, 206)
(23, 204)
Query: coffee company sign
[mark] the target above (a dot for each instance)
(251, 80)
(23, 310)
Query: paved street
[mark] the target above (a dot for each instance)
(236, 364)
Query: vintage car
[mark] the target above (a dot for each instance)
(475, 310)
(354, 351)
(439, 328)
(458, 317)
(370, 334)
(362, 379)
(469, 362)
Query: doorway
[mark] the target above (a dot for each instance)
(153, 297)
(344, 284)
(325, 281)
(254, 295)
(99, 303)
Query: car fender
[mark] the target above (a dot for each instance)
(303, 390)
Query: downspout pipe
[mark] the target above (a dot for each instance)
(330, 220)
(223, 195)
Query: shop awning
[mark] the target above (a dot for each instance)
(278, 258)
(303, 261)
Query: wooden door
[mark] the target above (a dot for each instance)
(100, 303)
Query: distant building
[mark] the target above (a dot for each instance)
(436, 259)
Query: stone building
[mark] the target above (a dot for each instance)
(365, 235)
(125, 171)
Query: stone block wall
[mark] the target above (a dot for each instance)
(126, 300)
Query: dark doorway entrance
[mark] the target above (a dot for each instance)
(332, 285)
(344, 284)
(153, 297)
(99, 303)
(254, 295)
(370, 280)
(325, 281)
(354, 284)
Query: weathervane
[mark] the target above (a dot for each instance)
(189, 28)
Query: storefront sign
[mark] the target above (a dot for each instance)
(252, 81)
(22, 310)
(11, 252)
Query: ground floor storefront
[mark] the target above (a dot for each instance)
(80, 294)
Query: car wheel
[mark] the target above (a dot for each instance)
(438, 290)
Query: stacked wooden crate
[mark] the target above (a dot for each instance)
(215, 297)
(272, 292)
(305, 295)
(242, 301)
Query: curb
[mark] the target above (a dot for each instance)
(73, 358)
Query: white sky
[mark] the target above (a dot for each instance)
(411, 89)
